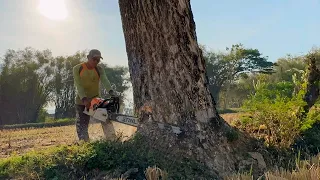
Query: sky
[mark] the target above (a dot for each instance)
(276, 28)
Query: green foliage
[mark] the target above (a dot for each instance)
(88, 159)
(119, 79)
(26, 85)
(270, 92)
(46, 164)
(312, 117)
(287, 66)
(42, 115)
(64, 91)
(309, 141)
(280, 117)
(278, 108)
(224, 68)
(247, 59)
(289, 69)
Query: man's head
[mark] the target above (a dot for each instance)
(94, 57)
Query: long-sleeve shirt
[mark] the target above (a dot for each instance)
(87, 81)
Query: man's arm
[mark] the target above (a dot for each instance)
(104, 80)
(77, 82)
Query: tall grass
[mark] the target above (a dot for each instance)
(304, 170)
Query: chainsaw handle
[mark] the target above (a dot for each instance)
(103, 102)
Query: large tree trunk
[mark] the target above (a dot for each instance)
(166, 64)
(215, 92)
(170, 87)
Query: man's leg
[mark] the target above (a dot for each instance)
(82, 123)
(108, 130)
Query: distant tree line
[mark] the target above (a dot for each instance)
(233, 74)
(30, 79)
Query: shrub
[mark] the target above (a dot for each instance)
(279, 120)
(274, 114)
(309, 140)
(42, 115)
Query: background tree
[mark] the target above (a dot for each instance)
(26, 85)
(234, 92)
(120, 81)
(64, 84)
(226, 67)
(287, 66)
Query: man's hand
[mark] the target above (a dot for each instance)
(86, 101)
(113, 93)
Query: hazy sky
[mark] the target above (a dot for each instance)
(274, 27)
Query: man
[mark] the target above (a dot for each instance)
(87, 79)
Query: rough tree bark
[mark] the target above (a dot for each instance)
(169, 81)
(166, 64)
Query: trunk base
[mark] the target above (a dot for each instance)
(210, 146)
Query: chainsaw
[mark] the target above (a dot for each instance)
(108, 110)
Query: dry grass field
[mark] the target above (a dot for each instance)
(19, 141)
(230, 117)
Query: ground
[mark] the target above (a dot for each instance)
(19, 141)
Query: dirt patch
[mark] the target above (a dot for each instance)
(231, 117)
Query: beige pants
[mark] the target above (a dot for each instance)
(82, 123)
(108, 130)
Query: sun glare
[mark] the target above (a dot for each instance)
(53, 9)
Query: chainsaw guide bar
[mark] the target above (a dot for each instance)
(103, 115)
(108, 110)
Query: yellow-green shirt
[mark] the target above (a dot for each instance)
(87, 82)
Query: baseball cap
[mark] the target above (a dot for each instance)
(94, 53)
